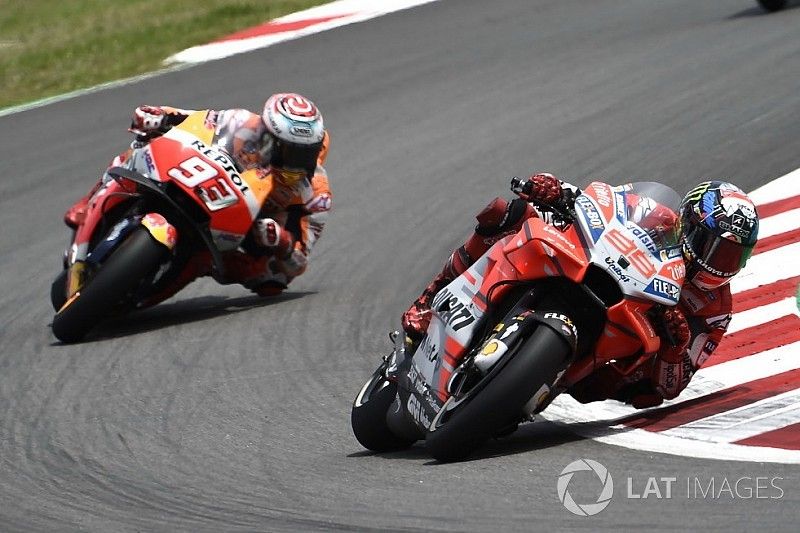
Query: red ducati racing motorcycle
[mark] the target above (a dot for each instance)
(537, 313)
(176, 202)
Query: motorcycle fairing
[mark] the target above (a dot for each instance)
(541, 250)
(537, 250)
(457, 310)
(643, 270)
(207, 174)
(186, 155)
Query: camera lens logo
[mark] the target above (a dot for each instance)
(587, 509)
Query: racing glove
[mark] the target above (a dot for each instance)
(269, 234)
(147, 121)
(541, 188)
(289, 259)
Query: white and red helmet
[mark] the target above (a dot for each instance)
(296, 129)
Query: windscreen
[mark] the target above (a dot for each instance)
(653, 208)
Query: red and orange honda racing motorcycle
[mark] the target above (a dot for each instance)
(540, 311)
(178, 199)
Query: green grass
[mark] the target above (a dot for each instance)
(49, 47)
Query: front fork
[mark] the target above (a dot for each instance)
(515, 328)
(79, 261)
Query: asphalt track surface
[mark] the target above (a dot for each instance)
(221, 411)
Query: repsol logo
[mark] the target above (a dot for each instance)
(224, 161)
(452, 311)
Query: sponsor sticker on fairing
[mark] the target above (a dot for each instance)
(592, 216)
(602, 193)
(663, 289)
(619, 200)
(451, 310)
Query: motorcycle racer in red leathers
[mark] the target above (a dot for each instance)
(287, 140)
(719, 228)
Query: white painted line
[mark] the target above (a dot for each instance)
(176, 62)
(768, 267)
(783, 187)
(640, 439)
(763, 315)
(744, 422)
(761, 365)
(345, 11)
(780, 223)
(707, 381)
(89, 90)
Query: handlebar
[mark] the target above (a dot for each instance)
(516, 185)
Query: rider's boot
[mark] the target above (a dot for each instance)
(417, 318)
(76, 214)
(255, 273)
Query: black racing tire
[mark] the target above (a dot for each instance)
(139, 255)
(500, 402)
(58, 291)
(772, 5)
(368, 417)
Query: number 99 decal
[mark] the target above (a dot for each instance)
(632, 253)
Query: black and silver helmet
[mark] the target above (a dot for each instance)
(719, 227)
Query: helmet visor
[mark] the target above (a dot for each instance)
(295, 157)
(718, 255)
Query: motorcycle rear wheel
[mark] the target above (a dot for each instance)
(368, 417)
(500, 402)
(135, 258)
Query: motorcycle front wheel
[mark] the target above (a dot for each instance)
(500, 402)
(58, 291)
(138, 256)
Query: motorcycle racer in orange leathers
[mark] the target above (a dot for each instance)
(287, 141)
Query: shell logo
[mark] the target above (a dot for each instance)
(490, 348)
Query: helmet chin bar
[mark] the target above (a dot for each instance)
(289, 176)
(701, 278)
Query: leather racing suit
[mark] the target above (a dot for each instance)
(300, 208)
